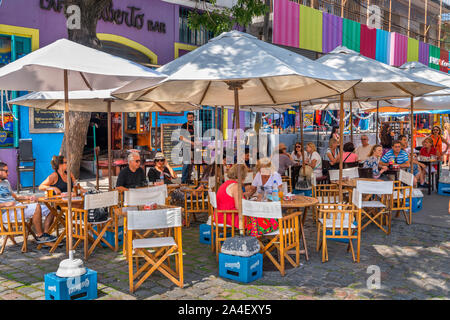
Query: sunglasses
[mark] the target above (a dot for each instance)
(137, 161)
(4, 170)
(297, 147)
(160, 160)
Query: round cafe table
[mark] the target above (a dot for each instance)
(300, 202)
(429, 163)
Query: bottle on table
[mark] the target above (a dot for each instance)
(275, 195)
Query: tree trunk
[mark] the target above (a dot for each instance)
(87, 35)
(266, 22)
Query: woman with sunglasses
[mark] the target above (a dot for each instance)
(162, 172)
(57, 181)
(297, 153)
(436, 136)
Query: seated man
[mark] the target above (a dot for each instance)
(162, 172)
(33, 211)
(363, 150)
(132, 176)
(396, 156)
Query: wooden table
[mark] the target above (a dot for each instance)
(52, 204)
(429, 163)
(300, 202)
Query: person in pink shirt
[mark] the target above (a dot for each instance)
(349, 155)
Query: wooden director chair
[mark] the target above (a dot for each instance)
(285, 238)
(402, 195)
(324, 193)
(84, 231)
(17, 226)
(378, 210)
(170, 244)
(140, 197)
(339, 222)
(195, 202)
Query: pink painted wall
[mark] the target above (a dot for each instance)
(286, 23)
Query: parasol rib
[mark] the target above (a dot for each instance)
(85, 81)
(267, 90)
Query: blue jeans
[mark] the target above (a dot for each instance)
(186, 173)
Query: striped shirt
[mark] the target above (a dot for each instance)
(400, 159)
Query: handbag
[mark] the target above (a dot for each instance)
(98, 214)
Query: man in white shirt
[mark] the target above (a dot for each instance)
(363, 150)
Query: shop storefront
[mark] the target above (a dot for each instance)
(145, 31)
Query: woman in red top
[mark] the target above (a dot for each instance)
(227, 196)
(428, 149)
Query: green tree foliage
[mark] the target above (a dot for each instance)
(220, 20)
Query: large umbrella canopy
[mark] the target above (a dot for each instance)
(88, 69)
(272, 75)
(94, 101)
(379, 80)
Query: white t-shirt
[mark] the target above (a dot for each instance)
(363, 152)
(318, 167)
(257, 181)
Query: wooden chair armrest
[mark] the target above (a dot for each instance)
(13, 207)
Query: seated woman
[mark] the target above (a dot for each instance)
(162, 172)
(332, 154)
(57, 181)
(428, 150)
(349, 156)
(227, 196)
(373, 161)
(312, 158)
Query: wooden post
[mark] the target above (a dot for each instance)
(425, 29)
(216, 158)
(376, 125)
(341, 145)
(412, 133)
(409, 16)
(367, 13)
(390, 15)
(301, 137)
(351, 122)
(69, 165)
(343, 2)
(440, 25)
(312, 3)
(109, 146)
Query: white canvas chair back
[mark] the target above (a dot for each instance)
(285, 188)
(154, 219)
(261, 209)
(346, 173)
(406, 178)
(212, 199)
(143, 196)
(357, 198)
(374, 187)
(101, 200)
(212, 182)
(314, 179)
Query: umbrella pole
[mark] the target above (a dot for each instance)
(351, 122)
(216, 156)
(412, 134)
(69, 164)
(376, 124)
(301, 137)
(109, 146)
(341, 143)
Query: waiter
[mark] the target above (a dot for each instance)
(187, 167)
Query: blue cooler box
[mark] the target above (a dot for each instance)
(109, 237)
(77, 288)
(242, 269)
(205, 233)
(444, 189)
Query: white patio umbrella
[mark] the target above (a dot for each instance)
(97, 101)
(237, 69)
(379, 82)
(66, 65)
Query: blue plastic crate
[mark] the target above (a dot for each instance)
(109, 237)
(417, 204)
(444, 189)
(242, 269)
(337, 233)
(205, 233)
(77, 288)
(306, 193)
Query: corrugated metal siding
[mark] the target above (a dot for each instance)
(332, 32)
(413, 50)
(435, 52)
(310, 29)
(399, 49)
(444, 58)
(383, 46)
(286, 23)
(424, 53)
(351, 34)
(368, 41)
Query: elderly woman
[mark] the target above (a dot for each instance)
(265, 178)
(332, 153)
(57, 181)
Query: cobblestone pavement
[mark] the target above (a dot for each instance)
(413, 260)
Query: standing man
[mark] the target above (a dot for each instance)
(364, 149)
(187, 167)
(33, 211)
(132, 176)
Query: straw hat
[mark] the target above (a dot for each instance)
(280, 147)
(159, 156)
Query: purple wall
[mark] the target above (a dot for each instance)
(52, 25)
(424, 53)
(332, 32)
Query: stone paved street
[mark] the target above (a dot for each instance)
(413, 260)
